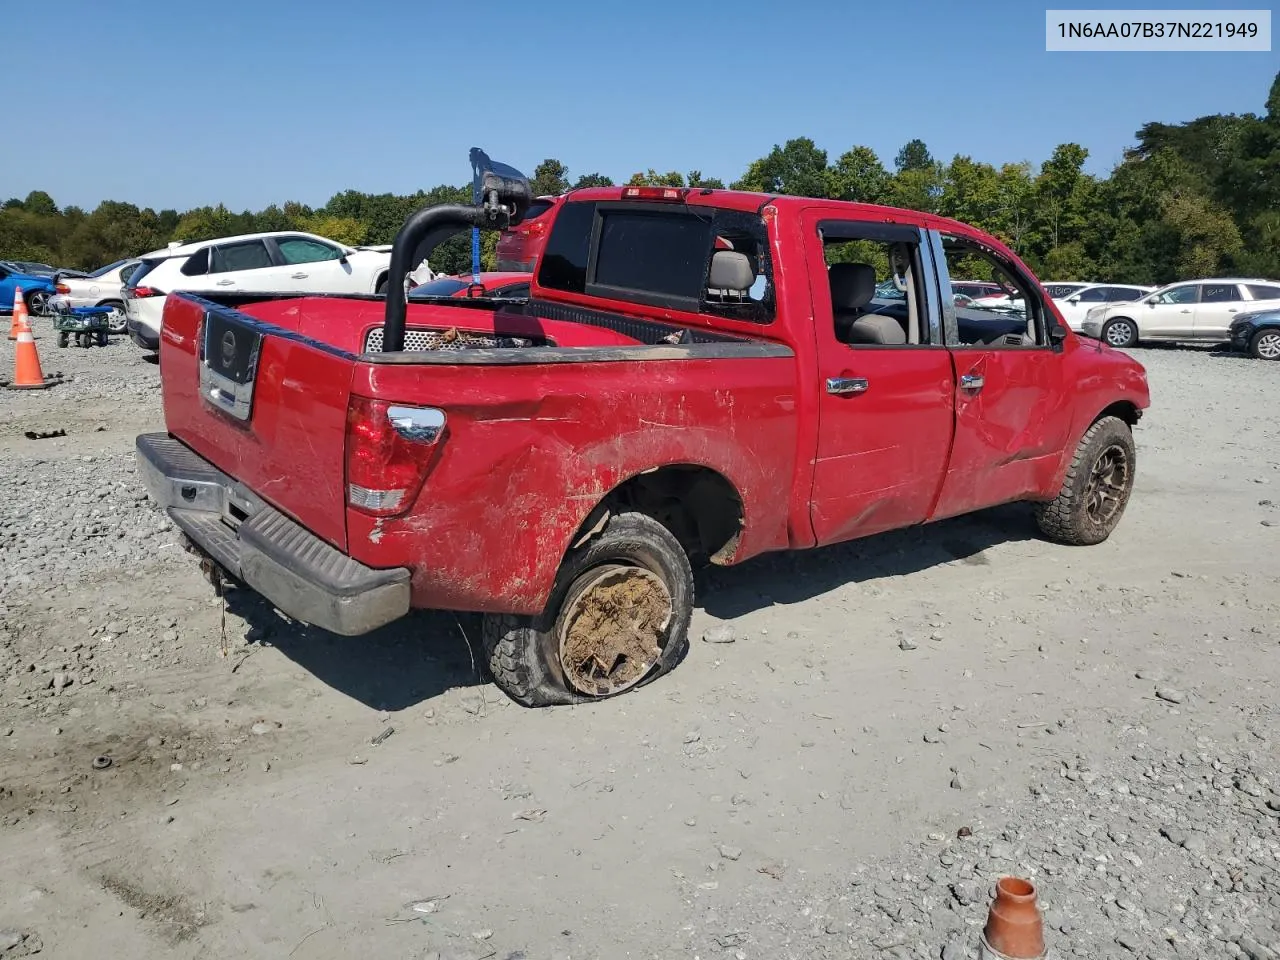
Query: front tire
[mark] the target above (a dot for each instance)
(1097, 487)
(1265, 344)
(617, 619)
(63, 338)
(1120, 332)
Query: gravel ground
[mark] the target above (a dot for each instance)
(870, 736)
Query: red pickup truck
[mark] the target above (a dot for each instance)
(697, 376)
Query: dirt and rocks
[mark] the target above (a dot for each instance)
(868, 738)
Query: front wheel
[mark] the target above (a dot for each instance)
(63, 338)
(1120, 332)
(618, 618)
(1265, 345)
(1097, 487)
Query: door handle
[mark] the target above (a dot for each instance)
(1184, 311)
(972, 381)
(225, 283)
(1233, 309)
(841, 386)
(298, 276)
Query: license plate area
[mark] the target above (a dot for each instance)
(228, 363)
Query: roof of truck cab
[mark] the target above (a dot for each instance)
(746, 200)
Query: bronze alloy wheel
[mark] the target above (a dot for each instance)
(1108, 484)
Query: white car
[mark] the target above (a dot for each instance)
(279, 262)
(1191, 310)
(102, 288)
(1077, 303)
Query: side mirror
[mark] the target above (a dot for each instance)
(1073, 300)
(342, 258)
(1150, 301)
(1057, 334)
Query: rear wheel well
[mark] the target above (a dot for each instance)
(698, 505)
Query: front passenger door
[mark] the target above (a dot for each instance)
(1013, 414)
(1169, 314)
(314, 267)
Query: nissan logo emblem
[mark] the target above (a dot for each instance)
(228, 349)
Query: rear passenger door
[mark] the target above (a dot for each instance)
(1218, 306)
(244, 266)
(1012, 411)
(885, 389)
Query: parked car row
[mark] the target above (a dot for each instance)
(280, 261)
(1224, 309)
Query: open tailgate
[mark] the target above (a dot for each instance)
(267, 406)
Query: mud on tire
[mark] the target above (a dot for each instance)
(1096, 489)
(633, 574)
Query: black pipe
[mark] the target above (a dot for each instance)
(421, 234)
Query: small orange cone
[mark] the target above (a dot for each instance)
(19, 313)
(27, 374)
(1015, 929)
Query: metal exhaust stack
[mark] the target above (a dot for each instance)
(505, 197)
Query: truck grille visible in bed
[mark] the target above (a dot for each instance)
(445, 340)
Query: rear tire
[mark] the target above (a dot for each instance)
(102, 338)
(1097, 487)
(1265, 344)
(116, 321)
(634, 567)
(63, 337)
(1120, 332)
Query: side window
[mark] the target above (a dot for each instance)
(197, 264)
(875, 284)
(250, 255)
(1093, 295)
(1260, 291)
(302, 250)
(1219, 293)
(1186, 293)
(1123, 294)
(1015, 324)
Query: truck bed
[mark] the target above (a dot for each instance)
(549, 408)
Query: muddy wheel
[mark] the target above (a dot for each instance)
(619, 618)
(1097, 488)
(63, 338)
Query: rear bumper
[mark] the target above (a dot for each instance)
(304, 576)
(141, 334)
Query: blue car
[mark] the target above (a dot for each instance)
(35, 290)
(1257, 333)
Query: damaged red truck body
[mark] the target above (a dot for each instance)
(697, 376)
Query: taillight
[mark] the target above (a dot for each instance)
(62, 288)
(389, 450)
(141, 293)
(537, 228)
(654, 193)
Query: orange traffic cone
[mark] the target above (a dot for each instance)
(27, 374)
(19, 313)
(1015, 929)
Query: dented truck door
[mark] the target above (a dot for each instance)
(1013, 412)
(884, 408)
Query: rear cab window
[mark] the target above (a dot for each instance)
(660, 255)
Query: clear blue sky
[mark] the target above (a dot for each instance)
(250, 103)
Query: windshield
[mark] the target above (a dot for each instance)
(107, 269)
(439, 287)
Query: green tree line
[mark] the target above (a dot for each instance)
(1194, 199)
